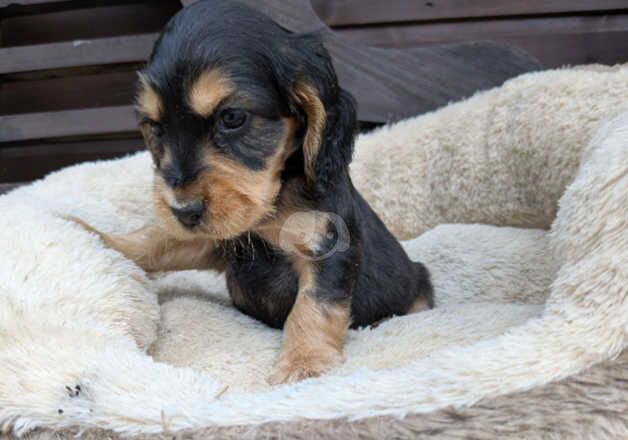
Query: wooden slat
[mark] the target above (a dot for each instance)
(12, 8)
(296, 15)
(85, 122)
(554, 41)
(76, 53)
(106, 89)
(361, 12)
(29, 162)
(5, 3)
(108, 20)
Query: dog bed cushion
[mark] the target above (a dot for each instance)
(531, 281)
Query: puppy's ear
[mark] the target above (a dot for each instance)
(328, 112)
(329, 133)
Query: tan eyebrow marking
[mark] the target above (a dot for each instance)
(208, 90)
(148, 101)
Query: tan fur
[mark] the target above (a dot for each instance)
(314, 332)
(296, 226)
(315, 111)
(147, 135)
(297, 232)
(149, 139)
(236, 198)
(419, 305)
(313, 335)
(208, 91)
(148, 101)
(164, 213)
(152, 249)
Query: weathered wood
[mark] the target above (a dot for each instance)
(29, 162)
(296, 15)
(554, 42)
(51, 125)
(6, 3)
(12, 8)
(88, 22)
(76, 53)
(393, 84)
(104, 89)
(361, 12)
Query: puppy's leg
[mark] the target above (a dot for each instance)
(152, 249)
(314, 332)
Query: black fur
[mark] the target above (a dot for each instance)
(265, 62)
(374, 273)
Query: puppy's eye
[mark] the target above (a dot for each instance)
(156, 129)
(232, 119)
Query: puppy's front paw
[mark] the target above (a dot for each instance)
(293, 367)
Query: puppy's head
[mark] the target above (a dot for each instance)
(227, 99)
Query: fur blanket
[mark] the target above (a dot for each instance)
(87, 340)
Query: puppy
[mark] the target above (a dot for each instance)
(251, 139)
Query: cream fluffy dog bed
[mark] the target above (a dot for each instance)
(87, 340)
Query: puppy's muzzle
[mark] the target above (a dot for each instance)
(189, 215)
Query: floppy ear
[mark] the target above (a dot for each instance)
(306, 76)
(329, 133)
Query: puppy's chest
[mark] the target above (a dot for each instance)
(261, 279)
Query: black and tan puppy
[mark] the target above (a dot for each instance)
(251, 138)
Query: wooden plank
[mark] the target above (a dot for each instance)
(105, 89)
(76, 53)
(433, 33)
(29, 162)
(390, 85)
(6, 3)
(85, 122)
(553, 41)
(361, 12)
(13, 8)
(88, 23)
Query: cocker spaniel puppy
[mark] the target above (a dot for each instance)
(251, 138)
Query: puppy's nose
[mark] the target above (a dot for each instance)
(190, 215)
